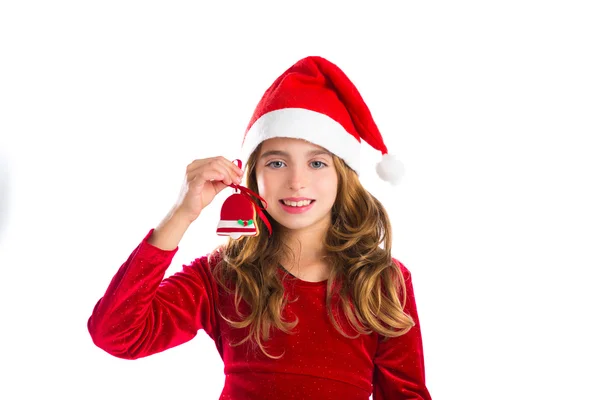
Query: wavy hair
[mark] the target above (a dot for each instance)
(364, 279)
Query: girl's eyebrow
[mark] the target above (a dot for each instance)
(311, 153)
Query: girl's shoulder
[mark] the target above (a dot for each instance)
(204, 265)
(210, 258)
(405, 271)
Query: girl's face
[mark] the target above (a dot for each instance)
(299, 182)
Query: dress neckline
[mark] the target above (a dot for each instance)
(299, 282)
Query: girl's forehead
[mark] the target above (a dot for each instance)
(289, 144)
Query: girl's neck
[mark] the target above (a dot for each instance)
(307, 247)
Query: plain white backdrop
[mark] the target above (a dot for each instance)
(493, 107)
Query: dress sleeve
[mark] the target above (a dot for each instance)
(399, 364)
(142, 314)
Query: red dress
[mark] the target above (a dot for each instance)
(143, 313)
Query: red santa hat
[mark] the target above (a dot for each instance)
(314, 100)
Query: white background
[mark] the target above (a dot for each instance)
(493, 107)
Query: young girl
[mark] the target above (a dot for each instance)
(308, 303)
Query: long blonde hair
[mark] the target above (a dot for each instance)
(363, 275)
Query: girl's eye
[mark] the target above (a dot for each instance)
(275, 164)
(319, 164)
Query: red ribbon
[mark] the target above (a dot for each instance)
(250, 194)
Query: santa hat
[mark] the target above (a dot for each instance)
(314, 100)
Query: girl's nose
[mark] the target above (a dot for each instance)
(297, 179)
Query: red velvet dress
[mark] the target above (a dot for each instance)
(143, 313)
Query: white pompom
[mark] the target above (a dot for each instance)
(390, 169)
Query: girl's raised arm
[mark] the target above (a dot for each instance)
(141, 313)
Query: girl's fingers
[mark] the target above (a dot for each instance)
(230, 172)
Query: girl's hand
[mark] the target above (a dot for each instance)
(204, 179)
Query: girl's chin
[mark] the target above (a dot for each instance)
(297, 222)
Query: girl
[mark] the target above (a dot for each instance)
(306, 304)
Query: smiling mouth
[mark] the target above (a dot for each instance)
(302, 203)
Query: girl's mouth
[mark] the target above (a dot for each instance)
(296, 207)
